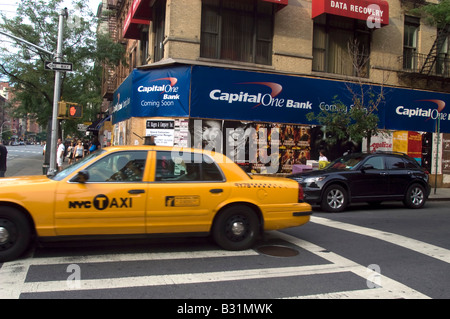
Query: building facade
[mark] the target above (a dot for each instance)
(225, 73)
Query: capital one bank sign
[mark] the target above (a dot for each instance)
(374, 12)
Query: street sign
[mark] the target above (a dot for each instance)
(58, 66)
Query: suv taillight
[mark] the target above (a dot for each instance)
(300, 193)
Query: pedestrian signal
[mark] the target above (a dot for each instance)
(69, 110)
(74, 110)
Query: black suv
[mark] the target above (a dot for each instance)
(364, 177)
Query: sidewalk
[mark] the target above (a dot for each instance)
(441, 194)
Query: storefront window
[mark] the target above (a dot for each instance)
(237, 30)
(341, 46)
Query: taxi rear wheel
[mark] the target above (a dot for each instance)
(236, 228)
(15, 233)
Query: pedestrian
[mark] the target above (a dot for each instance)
(323, 160)
(3, 156)
(78, 152)
(70, 151)
(322, 157)
(60, 154)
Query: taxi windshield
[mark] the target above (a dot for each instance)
(70, 169)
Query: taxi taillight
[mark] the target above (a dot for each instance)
(300, 193)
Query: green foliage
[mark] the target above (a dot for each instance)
(356, 121)
(37, 22)
(436, 13)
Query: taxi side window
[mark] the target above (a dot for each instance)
(185, 167)
(118, 167)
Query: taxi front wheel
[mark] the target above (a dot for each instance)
(15, 233)
(236, 228)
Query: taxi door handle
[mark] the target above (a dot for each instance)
(136, 191)
(216, 190)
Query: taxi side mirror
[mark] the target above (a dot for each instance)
(82, 177)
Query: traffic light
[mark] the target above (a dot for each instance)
(69, 110)
(62, 109)
(74, 110)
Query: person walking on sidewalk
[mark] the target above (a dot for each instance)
(3, 157)
(60, 154)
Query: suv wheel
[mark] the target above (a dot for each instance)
(334, 199)
(415, 196)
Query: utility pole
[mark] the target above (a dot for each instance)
(56, 94)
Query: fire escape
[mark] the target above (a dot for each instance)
(434, 62)
(435, 65)
(110, 79)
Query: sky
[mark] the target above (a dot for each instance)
(8, 8)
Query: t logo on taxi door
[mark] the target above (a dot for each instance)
(101, 202)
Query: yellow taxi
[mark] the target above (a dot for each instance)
(140, 190)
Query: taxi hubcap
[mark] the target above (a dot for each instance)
(4, 235)
(237, 228)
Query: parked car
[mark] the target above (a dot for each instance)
(366, 177)
(143, 190)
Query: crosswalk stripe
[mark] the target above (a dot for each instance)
(141, 257)
(391, 287)
(409, 243)
(178, 279)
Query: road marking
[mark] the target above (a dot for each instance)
(13, 274)
(179, 279)
(409, 243)
(389, 287)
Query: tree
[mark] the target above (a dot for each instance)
(37, 22)
(358, 120)
(436, 13)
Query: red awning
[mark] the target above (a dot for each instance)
(373, 11)
(131, 29)
(142, 9)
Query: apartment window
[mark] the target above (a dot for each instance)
(341, 46)
(411, 30)
(144, 45)
(159, 21)
(132, 60)
(443, 57)
(237, 30)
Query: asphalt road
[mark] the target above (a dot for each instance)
(24, 160)
(385, 253)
